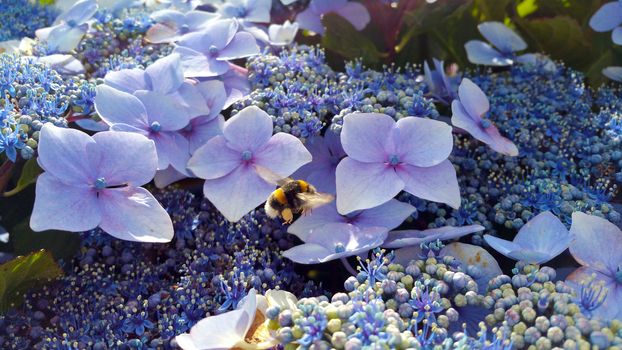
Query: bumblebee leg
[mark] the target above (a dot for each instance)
(287, 215)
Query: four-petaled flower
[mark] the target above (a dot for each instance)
(229, 162)
(386, 157)
(93, 181)
(609, 17)
(467, 114)
(596, 245)
(69, 27)
(541, 239)
(207, 53)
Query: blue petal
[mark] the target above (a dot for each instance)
(480, 52)
(607, 17)
(502, 37)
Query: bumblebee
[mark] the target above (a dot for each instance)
(292, 197)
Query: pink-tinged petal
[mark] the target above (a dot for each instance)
(365, 185)
(501, 245)
(282, 154)
(195, 64)
(198, 20)
(502, 37)
(59, 206)
(364, 136)
(127, 80)
(479, 52)
(470, 123)
(63, 153)
(126, 158)
(167, 176)
(356, 13)
(423, 142)
(165, 74)
(530, 256)
(472, 255)
(189, 97)
(612, 305)
(115, 106)
(214, 159)
(596, 242)
(501, 144)
(310, 20)
(405, 238)
(242, 45)
(248, 130)
(163, 109)
(133, 214)
(214, 94)
(237, 193)
(304, 226)
(607, 17)
(215, 332)
(161, 33)
(203, 129)
(544, 233)
(436, 183)
(616, 36)
(473, 98)
(389, 215)
(172, 149)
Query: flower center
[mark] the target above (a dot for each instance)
(155, 127)
(394, 160)
(339, 248)
(100, 183)
(247, 155)
(213, 50)
(184, 28)
(71, 23)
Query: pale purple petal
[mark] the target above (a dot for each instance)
(389, 215)
(544, 233)
(248, 130)
(326, 6)
(214, 159)
(172, 149)
(63, 154)
(405, 238)
(423, 142)
(169, 17)
(115, 106)
(161, 33)
(282, 154)
(126, 158)
(437, 183)
(198, 20)
(167, 176)
(356, 13)
(59, 206)
(165, 74)
(473, 98)
(163, 109)
(129, 128)
(472, 255)
(195, 64)
(364, 136)
(616, 35)
(596, 242)
(365, 185)
(502, 37)
(607, 17)
(479, 52)
(310, 20)
(127, 80)
(189, 97)
(501, 245)
(501, 144)
(470, 123)
(613, 73)
(202, 129)
(63, 38)
(242, 45)
(79, 13)
(237, 193)
(133, 214)
(304, 226)
(214, 94)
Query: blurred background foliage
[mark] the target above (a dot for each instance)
(412, 31)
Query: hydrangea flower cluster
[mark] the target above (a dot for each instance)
(21, 19)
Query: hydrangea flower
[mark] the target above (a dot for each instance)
(442, 87)
(228, 163)
(596, 245)
(282, 34)
(541, 239)
(468, 114)
(335, 241)
(386, 157)
(69, 27)
(353, 12)
(93, 181)
(225, 331)
(172, 25)
(207, 53)
(257, 11)
(326, 152)
(506, 42)
(609, 17)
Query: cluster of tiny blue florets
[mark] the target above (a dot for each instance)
(21, 18)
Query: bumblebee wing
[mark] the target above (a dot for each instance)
(271, 177)
(314, 200)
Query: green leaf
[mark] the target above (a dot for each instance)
(492, 10)
(24, 273)
(30, 172)
(62, 244)
(341, 37)
(526, 7)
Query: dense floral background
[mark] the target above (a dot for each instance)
(473, 149)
